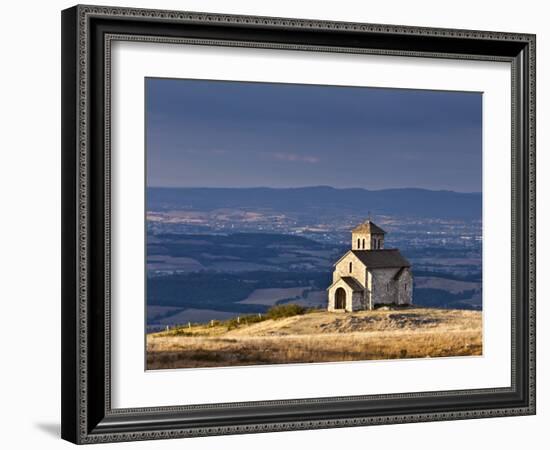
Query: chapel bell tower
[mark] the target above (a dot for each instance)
(367, 236)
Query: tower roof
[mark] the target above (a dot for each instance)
(368, 227)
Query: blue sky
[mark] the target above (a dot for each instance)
(237, 134)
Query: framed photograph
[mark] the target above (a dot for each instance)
(278, 224)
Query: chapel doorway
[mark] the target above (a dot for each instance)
(340, 298)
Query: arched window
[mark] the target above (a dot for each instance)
(358, 243)
(363, 243)
(350, 267)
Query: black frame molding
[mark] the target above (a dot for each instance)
(87, 33)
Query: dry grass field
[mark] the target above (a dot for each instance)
(320, 336)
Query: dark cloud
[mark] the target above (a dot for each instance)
(212, 133)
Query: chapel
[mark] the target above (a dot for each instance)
(369, 274)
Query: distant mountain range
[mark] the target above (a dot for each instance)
(322, 200)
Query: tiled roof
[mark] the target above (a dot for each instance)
(368, 227)
(351, 282)
(384, 258)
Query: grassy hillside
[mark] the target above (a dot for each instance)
(318, 336)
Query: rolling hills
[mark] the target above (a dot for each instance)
(321, 201)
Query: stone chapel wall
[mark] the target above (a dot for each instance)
(384, 287)
(342, 269)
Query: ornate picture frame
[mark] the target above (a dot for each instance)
(87, 35)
